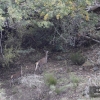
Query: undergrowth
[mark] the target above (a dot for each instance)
(50, 79)
(77, 58)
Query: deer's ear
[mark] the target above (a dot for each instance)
(44, 50)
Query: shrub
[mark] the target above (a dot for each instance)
(75, 80)
(50, 79)
(9, 56)
(58, 91)
(77, 58)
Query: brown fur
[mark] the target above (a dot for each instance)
(42, 61)
(14, 78)
(16, 75)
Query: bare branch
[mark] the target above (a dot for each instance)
(1, 43)
(92, 8)
(60, 35)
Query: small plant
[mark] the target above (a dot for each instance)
(59, 58)
(2, 93)
(27, 51)
(77, 58)
(52, 87)
(50, 79)
(74, 78)
(9, 56)
(14, 90)
(58, 91)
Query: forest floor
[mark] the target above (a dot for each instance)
(71, 79)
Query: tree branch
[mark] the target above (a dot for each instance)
(1, 43)
(88, 37)
(60, 35)
(92, 8)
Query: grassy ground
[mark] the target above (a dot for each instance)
(60, 80)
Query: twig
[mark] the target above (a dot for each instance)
(87, 37)
(60, 35)
(1, 44)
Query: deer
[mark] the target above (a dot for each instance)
(15, 77)
(42, 61)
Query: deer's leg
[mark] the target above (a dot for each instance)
(40, 70)
(11, 82)
(36, 66)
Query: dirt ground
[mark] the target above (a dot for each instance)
(72, 80)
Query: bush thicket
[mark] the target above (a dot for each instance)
(52, 24)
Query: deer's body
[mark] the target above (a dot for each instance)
(42, 61)
(15, 77)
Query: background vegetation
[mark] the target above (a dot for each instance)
(52, 24)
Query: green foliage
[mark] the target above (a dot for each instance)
(89, 26)
(52, 87)
(41, 9)
(9, 56)
(59, 58)
(42, 13)
(41, 23)
(50, 79)
(77, 58)
(58, 47)
(37, 38)
(24, 52)
(75, 80)
(58, 91)
(44, 24)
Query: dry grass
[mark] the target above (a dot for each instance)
(2, 93)
(32, 80)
